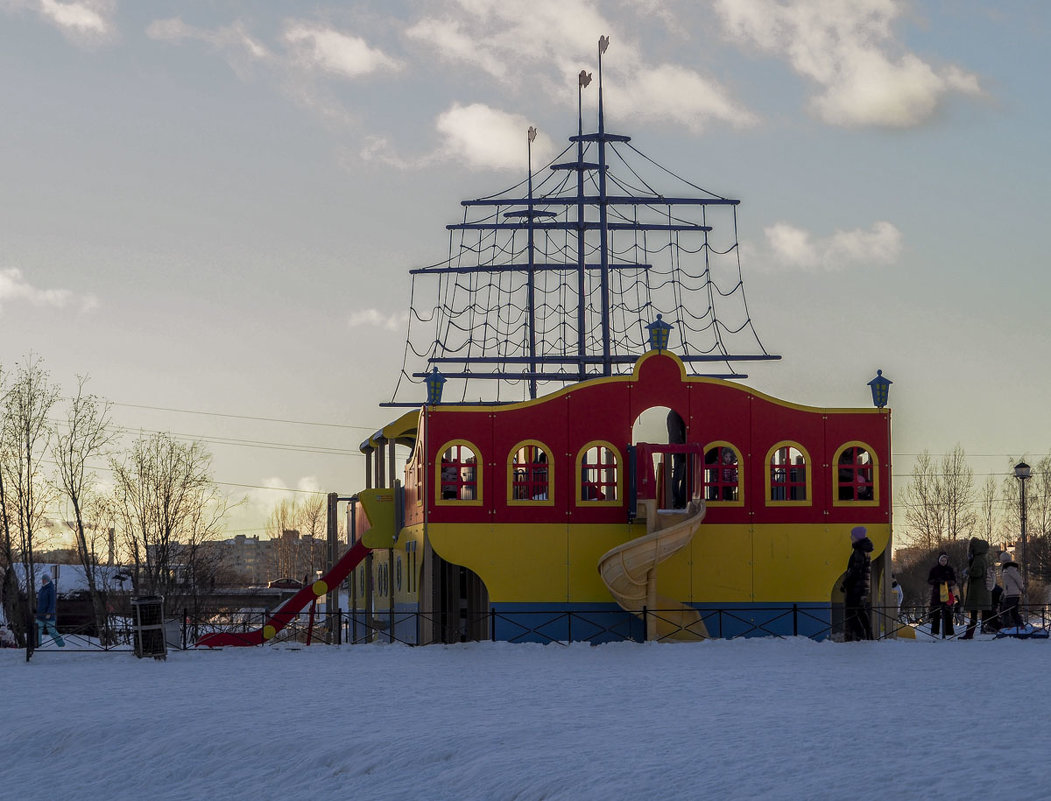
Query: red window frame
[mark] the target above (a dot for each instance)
(788, 479)
(598, 479)
(459, 471)
(530, 477)
(855, 479)
(722, 479)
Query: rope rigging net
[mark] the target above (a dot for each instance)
(554, 280)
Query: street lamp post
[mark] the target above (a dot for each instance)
(1023, 472)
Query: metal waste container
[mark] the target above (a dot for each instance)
(148, 629)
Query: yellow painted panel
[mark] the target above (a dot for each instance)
(379, 508)
(517, 562)
(721, 557)
(586, 545)
(724, 563)
(802, 563)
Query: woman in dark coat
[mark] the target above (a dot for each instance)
(981, 578)
(942, 579)
(856, 585)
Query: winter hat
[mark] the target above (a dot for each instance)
(858, 533)
(1005, 556)
(45, 578)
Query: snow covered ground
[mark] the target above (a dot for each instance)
(745, 719)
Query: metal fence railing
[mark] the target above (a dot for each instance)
(522, 624)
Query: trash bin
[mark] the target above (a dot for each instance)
(148, 630)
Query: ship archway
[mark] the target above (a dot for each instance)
(654, 430)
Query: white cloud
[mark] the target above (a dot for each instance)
(554, 40)
(233, 41)
(374, 318)
(795, 247)
(86, 22)
(486, 138)
(14, 288)
(678, 94)
(849, 50)
(315, 47)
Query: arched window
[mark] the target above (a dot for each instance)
(722, 474)
(459, 476)
(598, 476)
(788, 474)
(856, 474)
(529, 474)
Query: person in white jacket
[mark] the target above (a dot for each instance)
(1012, 580)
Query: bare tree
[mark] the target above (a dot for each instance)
(958, 494)
(9, 590)
(939, 500)
(86, 435)
(26, 435)
(284, 518)
(989, 523)
(168, 506)
(924, 514)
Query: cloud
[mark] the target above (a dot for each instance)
(233, 41)
(376, 319)
(318, 48)
(81, 21)
(798, 248)
(680, 95)
(865, 77)
(554, 40)
(486, 138)
(14, 288)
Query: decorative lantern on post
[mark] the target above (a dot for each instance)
(1023, 473)
(659, 333)
(880, 387)
(435, 383)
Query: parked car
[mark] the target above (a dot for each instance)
(285, 584)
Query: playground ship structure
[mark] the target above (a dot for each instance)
(584, 301)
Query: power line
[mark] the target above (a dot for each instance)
(243, 416)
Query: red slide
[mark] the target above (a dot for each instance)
(290, 608)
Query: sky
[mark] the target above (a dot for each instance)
(777, 719)
(211, 208)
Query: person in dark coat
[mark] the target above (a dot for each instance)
(942, 579)
(856, 585)
(981, 578)
(45, 611)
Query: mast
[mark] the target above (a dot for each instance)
(603, 217)
(493, 323)
(531, 280)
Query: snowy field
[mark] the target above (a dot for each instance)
(748, 719)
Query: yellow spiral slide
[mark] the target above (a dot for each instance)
(630, 572)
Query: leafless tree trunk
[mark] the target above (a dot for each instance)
(990, 525)
(285, 548)
(924, 515)
(939, 500)
(958, 494)
(85, 436)
(26, 434)
(168, 505)
(13, 612)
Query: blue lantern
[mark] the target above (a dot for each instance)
(435, 383)
(880, 387)
(659, 332)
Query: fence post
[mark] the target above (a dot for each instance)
(569, 627)
(795, 620)
(645, 623)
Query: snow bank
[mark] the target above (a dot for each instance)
(748, 719)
